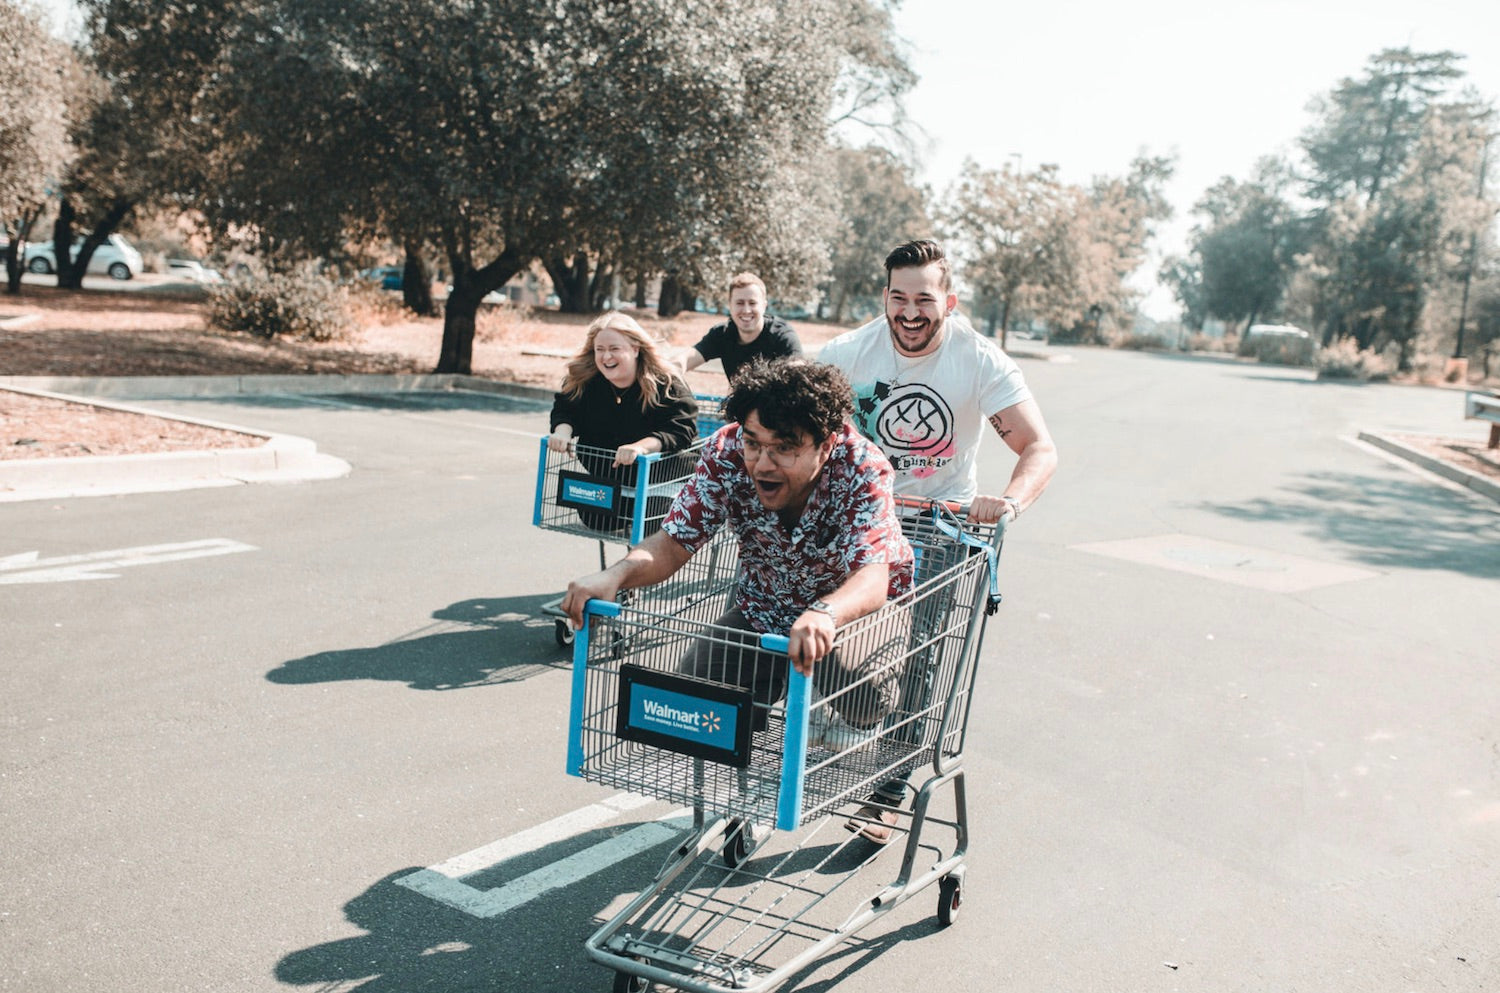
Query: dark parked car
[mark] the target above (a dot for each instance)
(387, 276)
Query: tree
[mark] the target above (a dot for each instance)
(501, 132)
(880, 206)
(34, 147)
(1246, 245)
(1392, 160)
(1184, 277)
(1055, 252)
(1011, 230)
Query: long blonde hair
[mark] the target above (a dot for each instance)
(652, 372)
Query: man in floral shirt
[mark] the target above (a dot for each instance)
(809, 501)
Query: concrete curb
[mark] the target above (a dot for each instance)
(187, 387)
(281, 458)
(1472, 480)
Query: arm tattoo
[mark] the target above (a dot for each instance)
(996, 423)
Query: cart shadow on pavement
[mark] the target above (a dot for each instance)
(1387, 523)
(478, 642)
(414, 943)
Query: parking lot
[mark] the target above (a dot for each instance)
(1234, 729)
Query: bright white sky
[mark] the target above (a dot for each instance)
(1086, 84)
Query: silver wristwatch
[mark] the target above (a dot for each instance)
(823, 608)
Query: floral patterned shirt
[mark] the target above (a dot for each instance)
(849, 522)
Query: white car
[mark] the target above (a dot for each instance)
(193, 270)
(115, 256)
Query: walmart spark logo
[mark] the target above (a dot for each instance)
(709, 722)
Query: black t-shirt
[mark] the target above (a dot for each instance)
(776, 340)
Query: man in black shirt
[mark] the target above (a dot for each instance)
(749, 334)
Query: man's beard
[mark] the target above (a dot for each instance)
(901, 338)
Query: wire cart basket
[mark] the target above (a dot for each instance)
(582, 492)
(737, 906)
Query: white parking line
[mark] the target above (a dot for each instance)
(444, 882)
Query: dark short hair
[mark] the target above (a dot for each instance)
(919, 253)
(791, 396)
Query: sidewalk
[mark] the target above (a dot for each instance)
(282, 458)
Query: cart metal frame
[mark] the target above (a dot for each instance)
(737, 908)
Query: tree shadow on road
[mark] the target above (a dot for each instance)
(478, 642)
(1387, 522)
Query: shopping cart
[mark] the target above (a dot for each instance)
(736, 906)
(582, 492)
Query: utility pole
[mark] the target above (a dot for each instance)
(1463, 307)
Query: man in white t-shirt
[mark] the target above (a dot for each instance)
(924, 384)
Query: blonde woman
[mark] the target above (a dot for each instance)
(621, 394)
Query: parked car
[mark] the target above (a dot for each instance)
(388, 277)
(193, 270)
(1275, 331)
(115, 256)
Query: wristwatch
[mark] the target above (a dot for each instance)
(1015, 505)
(823, 608)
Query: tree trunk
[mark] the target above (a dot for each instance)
(670, 303)
(15, 252)
(640, 292)
(13, 257)
(469, 288)
(570, 281)
(62, 248)
(601, 286)
(416, 282)
(70, 270)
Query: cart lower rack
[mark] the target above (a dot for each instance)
(670, 705)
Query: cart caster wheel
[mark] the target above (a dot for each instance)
(564, 633)
(627, 983)
(950, 898)
(739, 842)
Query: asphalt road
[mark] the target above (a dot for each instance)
(1235, 727)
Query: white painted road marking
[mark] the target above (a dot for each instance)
(444, 882)
(29, 568)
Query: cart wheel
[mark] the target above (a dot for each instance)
(950, 898)
(564, 632)
(627, 983)
(737, 844)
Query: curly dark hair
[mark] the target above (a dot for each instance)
(791, 396)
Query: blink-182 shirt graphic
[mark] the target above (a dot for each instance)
(929, 413)
(912, 424)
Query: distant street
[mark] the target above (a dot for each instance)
(1235, 728)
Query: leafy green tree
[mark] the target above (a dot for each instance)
(34, 147)
(1184, 277)
(501, 132)
(880, 206)
(1393, 157)
(1246, 244)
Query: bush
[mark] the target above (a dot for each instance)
(1279, 349)
(1201, 342)
(1344, 360)
(1139, 342)
(299, 305)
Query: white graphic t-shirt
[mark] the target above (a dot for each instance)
(928, 414)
